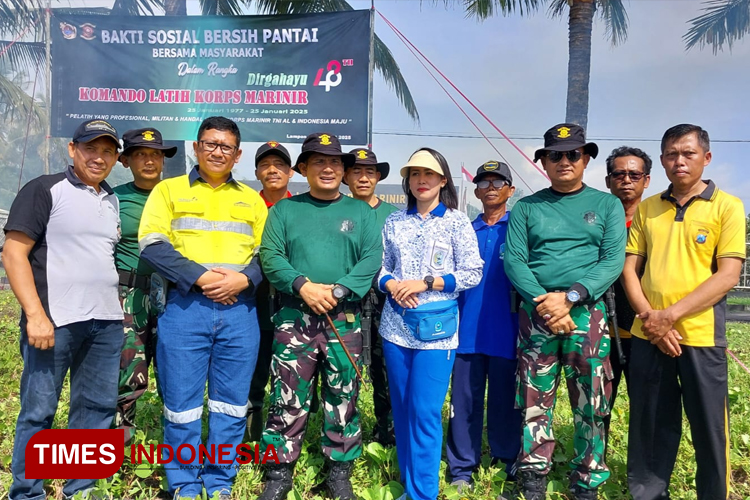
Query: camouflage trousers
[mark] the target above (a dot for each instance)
(583, 356)
(304, 345)
(137, 352)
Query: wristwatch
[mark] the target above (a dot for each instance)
(339, 292)
(573, 296)
(429, 281)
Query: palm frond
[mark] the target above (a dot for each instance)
(483, 9)
(137, 7)
(17, 15)
(384, 60)
(723, 22)
(391, 73)
(557, 8)
(223, 7)
(615, 18)
(23, 54)
(15, 103)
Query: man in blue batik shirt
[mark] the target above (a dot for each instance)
(487, 336)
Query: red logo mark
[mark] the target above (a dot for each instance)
(74, 453)
(347, 62)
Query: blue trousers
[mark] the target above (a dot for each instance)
(472, 374)
(418, 381)
(91, 351)
(201, 340)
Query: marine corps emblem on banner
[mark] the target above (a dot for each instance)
(68, 31)
(87, 31)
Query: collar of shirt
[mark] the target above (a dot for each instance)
(269, 204)
(195, 175)
(438, 211)
(479, 222)
(706, 194)
(73, 178)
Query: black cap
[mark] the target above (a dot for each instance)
(325, 144)
(146, 138)
(365, 156)
(566, 137)
(272, 148)
(93, 129)
(494, 167)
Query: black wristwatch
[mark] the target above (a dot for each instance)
(339, 292)
(429, 281)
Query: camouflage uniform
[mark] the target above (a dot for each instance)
(137, 353)
(303, 344)
(583, 355)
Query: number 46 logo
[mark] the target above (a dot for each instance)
(333, 76)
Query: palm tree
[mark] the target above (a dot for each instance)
(581, 15)
(723, 22)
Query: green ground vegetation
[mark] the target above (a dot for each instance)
(741, 300)
(376, 473)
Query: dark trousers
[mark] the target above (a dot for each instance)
(472, 373)
(258, 386)
(381, 399)
(618, 370)
(659, 386)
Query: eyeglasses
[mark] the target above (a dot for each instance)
(556, 156)
(498, 183)
(621, 174)
(211, 147)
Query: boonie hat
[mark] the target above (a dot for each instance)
(146, 138)
(325, 144)
(566, 137)
(365, 156)
(93, 129)
(423, 159)
(272, 148)
(494, 167)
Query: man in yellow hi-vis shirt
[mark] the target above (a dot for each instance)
(201, 232)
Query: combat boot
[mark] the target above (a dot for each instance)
(533, 485)
(338, 482)
(580, 493)
(278, 481)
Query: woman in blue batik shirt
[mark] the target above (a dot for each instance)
(430, 254)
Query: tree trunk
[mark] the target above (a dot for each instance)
(579, 60)
(176, 165)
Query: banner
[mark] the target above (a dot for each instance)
(279, 77)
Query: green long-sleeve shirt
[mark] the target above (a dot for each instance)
(555, 240)
(327, 242)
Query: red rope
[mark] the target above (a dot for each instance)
(541, 171)
(460, 108)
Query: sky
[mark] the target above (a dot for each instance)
(515, 70)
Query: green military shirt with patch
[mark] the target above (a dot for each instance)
(127, 253)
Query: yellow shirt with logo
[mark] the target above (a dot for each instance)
(214, 227)
(681, 245)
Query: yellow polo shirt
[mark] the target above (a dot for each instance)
(214, 227)
(681, 245)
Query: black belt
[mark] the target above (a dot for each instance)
(298, 303)
(132, 280)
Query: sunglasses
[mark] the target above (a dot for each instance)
(620, 175)
(556, 156)
(498, 183)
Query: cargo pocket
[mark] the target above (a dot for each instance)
(603, 393)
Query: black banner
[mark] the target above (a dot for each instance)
(279, 77)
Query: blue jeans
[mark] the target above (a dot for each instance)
(418, 381)
(201, 340)
(472, 374)
(91, 351)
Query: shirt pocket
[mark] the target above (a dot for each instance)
(188, 217)
(702, 237)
